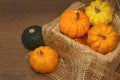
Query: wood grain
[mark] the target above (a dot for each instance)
(15, 16)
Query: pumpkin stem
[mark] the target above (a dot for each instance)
(32, 30)
(102, 36)
(101, 0)
(27, 56)
(40, 52)
(97, 9)
(78, 15)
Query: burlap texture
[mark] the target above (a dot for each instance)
(78, 61)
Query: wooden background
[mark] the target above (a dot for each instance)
(15, 16)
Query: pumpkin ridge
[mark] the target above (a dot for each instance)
(109, 19)
(64, 20)
(96, 20)
(92, 19)
(107, 10)
(84, 27)
(83, 16)
(102, 18)
(112, 34)
(91, 41)
(80, 30)
(103, 49)
(104, 4)
(69, 32)
(109, 44)
(77, 29)
(102, 28)
(96, 44)
(108, 31)
(70, 15)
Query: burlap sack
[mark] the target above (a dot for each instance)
(78, 61)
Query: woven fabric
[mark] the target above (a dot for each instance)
(78, 61)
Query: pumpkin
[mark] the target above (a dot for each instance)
(43, 59)
(102, 38)
(99, 12)
(32, 37)
(74, 23)
(82, 40)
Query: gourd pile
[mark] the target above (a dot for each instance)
(91, 27)
(42, 58)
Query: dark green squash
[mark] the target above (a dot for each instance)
(32, 37)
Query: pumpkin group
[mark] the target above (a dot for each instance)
(43, 59)
(93, 22)
(32, 37)
(99, 12)
(74, 23)
(102, 38)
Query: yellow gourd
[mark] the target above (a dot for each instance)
(99, 12)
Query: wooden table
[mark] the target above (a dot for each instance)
(15, 16)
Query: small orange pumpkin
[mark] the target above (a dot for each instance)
(43, 59)
(74, 23)
(102, 38)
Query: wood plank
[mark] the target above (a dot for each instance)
(15, 16)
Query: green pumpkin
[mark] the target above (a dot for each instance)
(32, 37)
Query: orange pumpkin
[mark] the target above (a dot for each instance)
(82, 40)
(102, 38)
(43, 59)
(74, 23)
